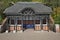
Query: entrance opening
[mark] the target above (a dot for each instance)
(45, 24)
(28, 21)
(28, 24)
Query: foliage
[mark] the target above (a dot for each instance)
(56, 15)
(57, 19)
(0, 19)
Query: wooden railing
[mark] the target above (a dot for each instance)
(3, 25)
(51, 20)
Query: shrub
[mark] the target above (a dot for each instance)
(0, 19)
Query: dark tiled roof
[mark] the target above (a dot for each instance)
(36, 6)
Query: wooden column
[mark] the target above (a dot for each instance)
(40, 22)
(15, 21)
(48, 24)
(22, 21)
(41, 19)
(34, 21)
(47, 21)
(9, 23)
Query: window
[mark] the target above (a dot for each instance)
(8, 21)
(27, 11)
(37, 21)
(12, 21)
(18, 21)
(44, 21)
(30, 22)
(30, 17)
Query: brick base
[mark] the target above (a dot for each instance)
(11, 28)
(37, 28)
(18, 28)
(57, 29)
(45, 28)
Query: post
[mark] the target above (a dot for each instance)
(34, 21)
(47, 21)
(9, 23)
(40, 22)
(41, 19)
(22, 21)
(7, 26)
(16, 23)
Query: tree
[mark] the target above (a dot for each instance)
(26, 0)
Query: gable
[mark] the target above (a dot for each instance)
(37, 7)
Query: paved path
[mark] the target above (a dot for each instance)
(30, 35)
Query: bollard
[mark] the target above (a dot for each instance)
(0, 26)
(57, 28)
(6, 31)
(14, 31)
(37, 27)
(45, 27)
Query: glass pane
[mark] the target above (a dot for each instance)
(30, 18)
(30, 22)
(12, 21)
(44, 21)
(37, 18)
(18, 21)
(26, 17)
(37, 21)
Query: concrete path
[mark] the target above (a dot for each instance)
(30, 34)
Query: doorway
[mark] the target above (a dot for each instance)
(27, 24)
